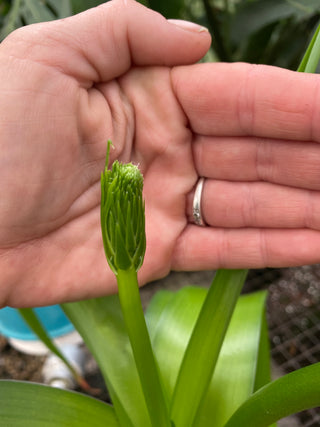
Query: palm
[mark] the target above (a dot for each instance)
(58, 218)
(66, 103)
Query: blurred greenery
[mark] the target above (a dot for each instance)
(260, 31)
(274, 32)
(16, 13)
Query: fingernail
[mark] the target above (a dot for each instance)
(187, 25)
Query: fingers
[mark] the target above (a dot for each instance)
(237, 205)
(242, 99)
(210, 248)
(289, 163)
(102, 43)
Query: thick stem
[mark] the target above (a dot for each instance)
(141, 346)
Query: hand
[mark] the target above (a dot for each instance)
(62, 98)
(252, 131)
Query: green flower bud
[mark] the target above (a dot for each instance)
(122, 216)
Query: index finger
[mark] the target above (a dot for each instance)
(243, 99)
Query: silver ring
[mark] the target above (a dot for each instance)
(197, 216)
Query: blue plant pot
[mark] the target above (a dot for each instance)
(52, 318)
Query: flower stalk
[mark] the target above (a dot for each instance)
(123, 232)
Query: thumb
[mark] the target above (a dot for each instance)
(104, 42)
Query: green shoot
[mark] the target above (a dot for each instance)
(123, 232)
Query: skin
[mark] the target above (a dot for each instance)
(122, 72)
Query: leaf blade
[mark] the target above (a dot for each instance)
(287, 395)
(204, 346)
(311, 58)
(35, 405)
(105, 335)
(235, 376)
(32, 320)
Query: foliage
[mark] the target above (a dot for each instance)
(81, 5)
(170, 9)
(16, 13)
(34, 405)
(24, 12)
(271, 32)
(294, 392)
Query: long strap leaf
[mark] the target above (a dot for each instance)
(204, 346)
(294, 392)
(33, 405)
(311, 58)
(36, 326)
(101, 325)
(243, 363)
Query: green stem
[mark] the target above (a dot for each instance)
(295, 392)
(141, 346)
(204, 346)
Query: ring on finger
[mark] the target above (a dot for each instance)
(196, 206)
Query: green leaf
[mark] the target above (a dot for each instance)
(101, 325)
(25, 12)
(204, 346)
(171, 318)
(60, 8)
(35, 325)
(169, 8)
(294, 392)
(263, 367)
(311, 58)
(81, 5)
(252, 16)
(34, 405)
(243, 363)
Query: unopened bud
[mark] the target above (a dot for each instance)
(122, 216)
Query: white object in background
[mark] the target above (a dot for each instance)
(37, 348)
(56, 374)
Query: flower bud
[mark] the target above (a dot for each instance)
(122, 216)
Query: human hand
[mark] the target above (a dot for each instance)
(251, 131)
(62, 99)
